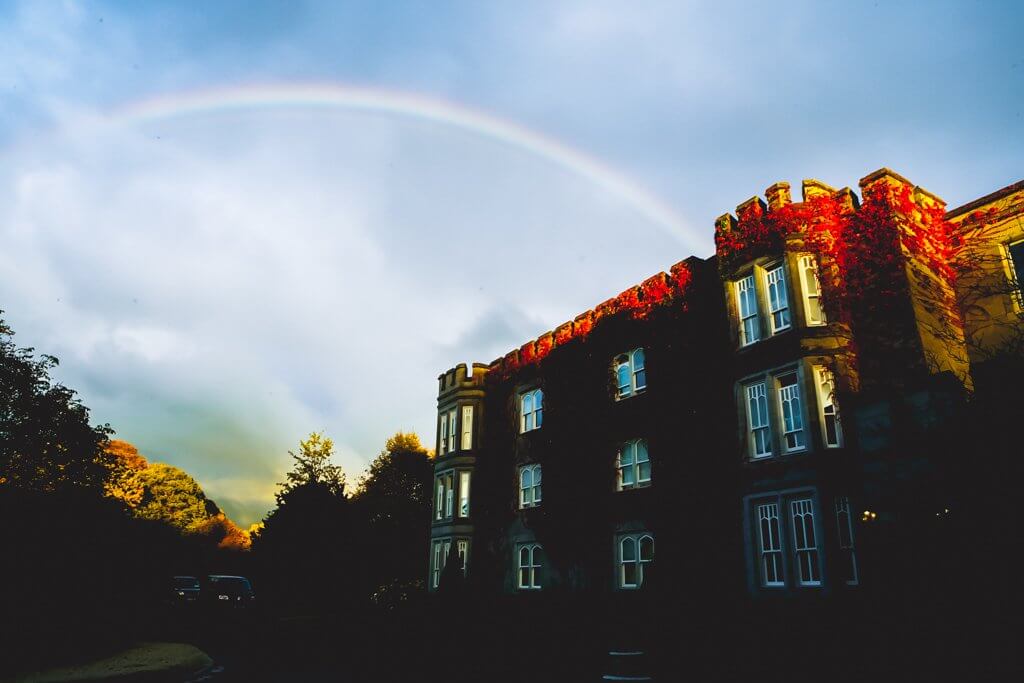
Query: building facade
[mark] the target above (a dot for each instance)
(754, 420)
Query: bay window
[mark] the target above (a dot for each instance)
(444, 503)
(831, 432)
(760, 437)
(810, 286)
(746, 299)
(778, 298)
(464, 493)
(792, 413)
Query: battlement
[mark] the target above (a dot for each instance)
(639, 300)
(461, 377)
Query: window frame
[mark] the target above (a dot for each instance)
(535, 416)
(636, 539)
(808, 263)
(768, 512)
(452, 429)
(748, 398)
(463, 483)
(628, 360)
(847, 547)
(795, 394)
(781, 287)
(1013, 269)
(788, 553)
(440, 551)
(822, 375)
(466, 440)
(534, 566)
(534, 489)
(444, 494)
(634, 464)
(740, 290)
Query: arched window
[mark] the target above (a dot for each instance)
(529, 486)
(530, 559)
(630, 373)
(633, 465)
(636, 551)
(531, 410)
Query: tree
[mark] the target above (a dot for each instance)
(170, 495)
(46, 441)
(124, 463)
(313, 466)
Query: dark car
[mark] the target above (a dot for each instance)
(185, 590)
(228, 591)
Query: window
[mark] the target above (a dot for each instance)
(630, 373)
(844, 523)
(778, 301)
(804, 543)
(462, 551)
(530, 559)
(467, 428)
(464, 493)
(444, 504)
(531, 410)
(1016, 254)
(769, 545)
(633, 465)
(529, 486)
(811, 286)
(635, 553)
(831, 433)
(792, 416)
(757, 419)
(441, 549)
(750, 323)
(446, 444)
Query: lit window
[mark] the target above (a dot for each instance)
(635, 553)
(444, 505)
(778, 300)
(462, 551)
(531, 413)
(792, 416)
(451, 430)
(467, 428)
(831, 432)
(844, 523)
(1016, 253)
(805, 544)
(811, 287)
(464, 493)
(529, 486)
(769, 545)
(633, 465)
(441, 549)
(750, 323)
(530, 559)
(757, 419)
(630, 373)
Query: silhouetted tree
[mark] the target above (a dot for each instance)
(313, 466)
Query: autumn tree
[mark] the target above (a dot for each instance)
(312, 465)
(170, 495)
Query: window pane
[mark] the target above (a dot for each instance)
(525, 477)
(623, 379)
(627, 453)
(629, 574)
(628, 476)
(644, 471)
(1017, 258)
(628, 550)
(646, 549)
(641, 451)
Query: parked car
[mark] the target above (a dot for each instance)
(185, 590)
(228, 591)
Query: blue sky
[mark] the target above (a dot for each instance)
(220, 282)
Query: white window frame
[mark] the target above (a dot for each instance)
(630, 370)
(790, 398)
(808, 269)
(462, 552)
(775, 283)
(630, 465)
(452, 416)
(847, 542)
(748, 310)
(532, 567)
(533, 418)
(825, 386)
(467, 428)
(806, 558)
(771, 568)
(530, 494)
(756, 403)
(464, 481)
(441, 548)
(636, 542)
(442, 442)
(444, 500)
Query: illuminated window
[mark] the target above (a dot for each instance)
(769, 545)
(529, 486)
(531, 410)
(630, 373)
(446, 442)
(529, 560)
(636, 551)
(746, 302)
(811, 287)
(1016, 254)
(633, 465)
(451, 429)
(805, 545)
(464, 493)
(444, 486)
(831, 432)
(844, 524)
(757, 420)
(791, 412)
(462, 551)
(441, 548)
(778, 299)
(467, 428)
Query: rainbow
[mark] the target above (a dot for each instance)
(395, 103)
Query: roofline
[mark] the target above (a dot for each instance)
(987, 199)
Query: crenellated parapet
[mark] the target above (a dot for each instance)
(638, 301)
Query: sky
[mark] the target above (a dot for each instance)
(239, 222)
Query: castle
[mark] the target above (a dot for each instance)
(763, 427)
